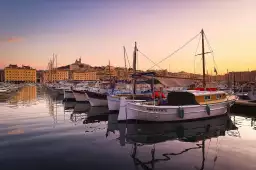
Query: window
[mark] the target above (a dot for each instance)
(207, 97)
(218, 96)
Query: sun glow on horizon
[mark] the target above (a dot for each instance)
(97, 32)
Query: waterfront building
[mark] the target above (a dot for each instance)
(55, 75)
(240, 77)
(16, 74)
(84, 76)
(1, 75)
(100, 76)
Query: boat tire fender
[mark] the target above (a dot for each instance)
(181, 112)
(208, 110)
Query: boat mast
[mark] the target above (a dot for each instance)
(109, 70)
(53, 69)
(134, 67)
(126, 72)
(234, 81)
(203, 58)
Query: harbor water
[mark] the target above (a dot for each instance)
(40, 131)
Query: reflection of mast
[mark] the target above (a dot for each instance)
(203, 154)
(167, 156)
(207, 134)
(193, 132)
(51, 108)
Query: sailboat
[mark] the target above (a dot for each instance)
(181, 105)
(97, 95)
(80, 93)
(114, 100)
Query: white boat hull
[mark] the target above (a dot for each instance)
(81, 97)
(113, 103)
(68, 95)
(98, 102)
(138, 111)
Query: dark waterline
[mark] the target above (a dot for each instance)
(39, 131)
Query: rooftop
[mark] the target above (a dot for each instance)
(17, 67)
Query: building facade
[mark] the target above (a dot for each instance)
(84, 76)
(16, 74)
(55, 75)
(1, 75)
(240, 77)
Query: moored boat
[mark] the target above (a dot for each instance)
(114, 100)
(98, 94)
(97, 99)
(80, 95)
(181, 105)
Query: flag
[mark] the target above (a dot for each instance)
(215, 71)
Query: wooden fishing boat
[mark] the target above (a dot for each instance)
(181, 105)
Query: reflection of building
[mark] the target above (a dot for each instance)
(13, 73)
(84, 76)
(26, 94)
(55, 75)
(1, 75)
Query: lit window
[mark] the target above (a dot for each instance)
(207, 97)
(218, 96)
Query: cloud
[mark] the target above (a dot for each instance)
(11, 39)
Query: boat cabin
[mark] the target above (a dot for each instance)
(194, 97)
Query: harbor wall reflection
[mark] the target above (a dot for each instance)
(26, 95)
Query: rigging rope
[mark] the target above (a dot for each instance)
(176, 50)
(126, 55)
(149, 59)
(195, 54)
(212, 53)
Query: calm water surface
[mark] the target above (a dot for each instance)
(39, 131)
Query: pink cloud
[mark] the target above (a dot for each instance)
(11, 39)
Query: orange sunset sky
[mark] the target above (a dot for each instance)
(32, 30)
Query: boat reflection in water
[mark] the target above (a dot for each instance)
(197, 132)
(84, 112)
(69, 105)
